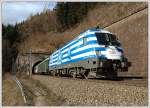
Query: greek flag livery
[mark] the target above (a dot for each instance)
(93, 43)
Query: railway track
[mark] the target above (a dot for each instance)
(97, 91)
(21, 88)
(129, 81)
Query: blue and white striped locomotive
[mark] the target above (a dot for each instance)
(95, 52)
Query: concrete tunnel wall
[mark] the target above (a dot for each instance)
(23, 60)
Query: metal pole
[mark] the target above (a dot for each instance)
(13, 67)
(18, 67)
(30, 62)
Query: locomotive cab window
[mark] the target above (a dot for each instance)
(69, 53)
(59, 57)
(107, 39)
(84, 40)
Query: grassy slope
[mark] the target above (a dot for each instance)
(50, 41)
(38, 94)
(104, 16)
(133, 34)
(11, 95)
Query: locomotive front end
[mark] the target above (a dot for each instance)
(112, 58)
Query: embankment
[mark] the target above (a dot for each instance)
(133, 34)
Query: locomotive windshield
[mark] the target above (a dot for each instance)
(107, 39)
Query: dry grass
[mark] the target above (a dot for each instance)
(11, 94)
(105, 15)
(38, 94)
(133, 34)
(50, 41)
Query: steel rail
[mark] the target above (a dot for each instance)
(21, 88)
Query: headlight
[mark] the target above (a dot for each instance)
(98, 52)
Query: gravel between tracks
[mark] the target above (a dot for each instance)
(78, 92)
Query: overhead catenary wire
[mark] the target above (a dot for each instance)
(136, 12)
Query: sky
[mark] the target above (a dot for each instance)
(15, 12)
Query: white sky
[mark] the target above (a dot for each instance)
(15, 12)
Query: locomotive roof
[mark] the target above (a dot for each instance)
(95, 30)
(98, 30)
(91, 31)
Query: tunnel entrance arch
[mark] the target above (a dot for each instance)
(35, 64)
(31, 60)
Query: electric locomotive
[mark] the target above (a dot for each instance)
(95, 52)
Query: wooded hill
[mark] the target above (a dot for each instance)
(50, 30)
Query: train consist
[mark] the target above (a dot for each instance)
(95, 52)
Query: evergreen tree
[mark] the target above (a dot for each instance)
(70, 13)
(10, 37)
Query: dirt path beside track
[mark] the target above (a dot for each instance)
(38, 94)
(11, 94)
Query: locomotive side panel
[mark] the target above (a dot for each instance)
(73, 51)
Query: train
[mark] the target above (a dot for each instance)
(95, 52)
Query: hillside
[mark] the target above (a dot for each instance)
(133, 34)
(52, 40)
(128, 30)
